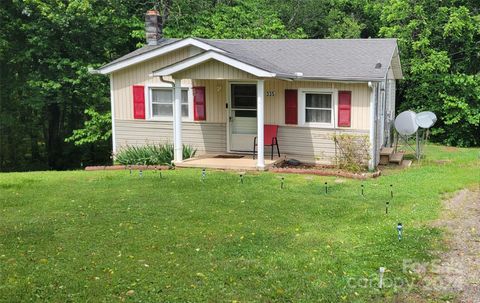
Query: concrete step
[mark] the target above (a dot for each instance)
(397, 157)
(386, 151)
(384, 159)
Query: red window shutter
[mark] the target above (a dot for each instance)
(138, 102)
(199, 104)
(344, 108)
(291, 106)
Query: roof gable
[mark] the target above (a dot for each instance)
(212, 55)
(151, 51)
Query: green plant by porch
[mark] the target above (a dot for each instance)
(151, 154)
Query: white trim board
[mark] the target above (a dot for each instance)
(212, 55)
(156, 52)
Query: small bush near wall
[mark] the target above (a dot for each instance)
(352, 152)
(150, 154)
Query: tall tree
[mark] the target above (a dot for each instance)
(439, 45)
(48, 46)
(242, 19)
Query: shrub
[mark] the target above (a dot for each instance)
(352, 152)
(151, 154)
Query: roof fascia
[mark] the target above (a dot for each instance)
(107, 69)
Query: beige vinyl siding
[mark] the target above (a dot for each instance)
(313, 145)
(213, 70)
(275, 105)
(215, 98)
(139, 74)
(205, 137)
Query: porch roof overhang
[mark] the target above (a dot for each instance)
(190, 62)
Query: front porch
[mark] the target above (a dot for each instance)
(239, 162)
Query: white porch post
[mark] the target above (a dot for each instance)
(177, 123)
(260, 123)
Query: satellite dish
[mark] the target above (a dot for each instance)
(405, 123)
(425, 119)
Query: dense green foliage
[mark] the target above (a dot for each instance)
(97, 129)
(47, 46)
(440, 54)
(151, 154)
(106, 236)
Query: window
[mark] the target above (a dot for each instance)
(162, 102)
(318, 108)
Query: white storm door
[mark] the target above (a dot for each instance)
(243, 116)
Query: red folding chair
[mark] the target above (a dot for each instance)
(270, 139)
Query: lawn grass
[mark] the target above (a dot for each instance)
(94, 236)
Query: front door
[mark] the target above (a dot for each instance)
(242, 116)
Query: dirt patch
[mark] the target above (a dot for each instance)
(325, 172)
(296, 167)
(457, 271)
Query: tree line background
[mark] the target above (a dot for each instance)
(55, 115)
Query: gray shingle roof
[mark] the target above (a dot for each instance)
(314, 58)
(142, 50)
(320, 58)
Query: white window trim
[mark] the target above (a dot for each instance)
(148, 102)
(302, 101)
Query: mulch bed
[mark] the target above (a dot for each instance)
(321, 170)
(125, 167)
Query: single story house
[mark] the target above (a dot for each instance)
(217, 95)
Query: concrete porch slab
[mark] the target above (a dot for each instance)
(245, 163)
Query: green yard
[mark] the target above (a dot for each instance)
(108, 236)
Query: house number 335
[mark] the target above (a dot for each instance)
(270, 93)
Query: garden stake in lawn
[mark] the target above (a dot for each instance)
(399, 229)
(130, 168)
(281, 184)
(140, 173)
(386, 208)
(241, 178)
(391, 190)
(380, 278)
(326, 188)
(204, 174)
(362, 191)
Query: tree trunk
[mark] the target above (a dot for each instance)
(54, 144)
